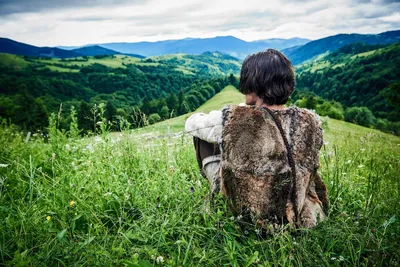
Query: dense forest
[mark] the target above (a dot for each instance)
(358, 83)
(139, 93)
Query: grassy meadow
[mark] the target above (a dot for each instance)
(136, 198)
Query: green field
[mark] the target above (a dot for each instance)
(136, 198)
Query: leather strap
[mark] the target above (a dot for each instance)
(292, 193)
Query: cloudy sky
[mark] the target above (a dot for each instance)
(79, 22)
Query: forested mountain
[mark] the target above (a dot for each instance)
(12, 47)
(357, 76)
(94, 50)
(154, 88)
(318, 47)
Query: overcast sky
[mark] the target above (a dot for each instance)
(79, 22)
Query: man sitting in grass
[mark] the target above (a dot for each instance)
(264, 157)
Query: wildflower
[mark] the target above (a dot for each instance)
(2, 165)
(258, 231)
(171, 169)
(333, 258)
(53, 156)
(360, 166)
(232, 218)
(362, 149)
(160, 259)
(348, 162)
(71, 203)
(341, 258)
(67, 147)
(246, 232)
(158, 205)
(48, 218)
(239, 217)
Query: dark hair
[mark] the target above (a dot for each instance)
(270, 75)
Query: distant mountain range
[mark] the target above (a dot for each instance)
(225, 44)
(309, 51)
(297, 49)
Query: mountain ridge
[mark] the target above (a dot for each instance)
(303, 53)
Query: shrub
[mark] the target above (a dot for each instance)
(360, 115)
(153, 118)
(332, 109)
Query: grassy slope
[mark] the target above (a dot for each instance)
(13, 61)
(334, 133)
(138, 201)
(321, 63)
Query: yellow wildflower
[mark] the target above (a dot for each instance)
(48, 218)
(72, 203)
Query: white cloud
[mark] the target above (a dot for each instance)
(125, 21)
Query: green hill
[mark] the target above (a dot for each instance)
(357, 75)
(32, 87)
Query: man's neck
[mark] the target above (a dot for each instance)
(260, 103)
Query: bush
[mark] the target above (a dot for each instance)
(360, 115)
(332, 109)
(153, 118)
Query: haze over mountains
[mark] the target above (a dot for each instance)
(298, 50)
(225, 44)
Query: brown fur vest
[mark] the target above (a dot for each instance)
(255, 173)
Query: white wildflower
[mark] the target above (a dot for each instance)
(2, 165)
(232, 218)
(90, 148)
(67, 147)
(362, 149)
(348, 162)
(360, 166)
(341, 258)
(160, 259)
(239, 217)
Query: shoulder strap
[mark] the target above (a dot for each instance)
(292, 165)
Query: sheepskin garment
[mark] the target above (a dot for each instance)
(256, 176)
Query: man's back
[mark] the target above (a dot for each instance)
(256, 172)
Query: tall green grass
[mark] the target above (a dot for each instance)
(132, 199)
